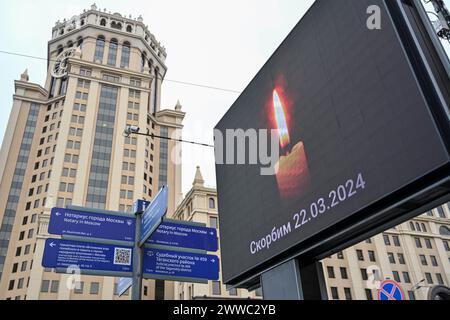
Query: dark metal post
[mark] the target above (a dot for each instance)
(293, 281)
(136, 287)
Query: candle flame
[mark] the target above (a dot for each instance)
(280, 118)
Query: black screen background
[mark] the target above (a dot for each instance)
(357, 108)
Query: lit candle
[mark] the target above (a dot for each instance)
(280, 118)
(292, 168)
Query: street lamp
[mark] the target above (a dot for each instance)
(130, 130)
(417, 286)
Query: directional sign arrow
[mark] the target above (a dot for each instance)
(70, 222)
(173, 264)
(179, 235)
(153, 214)
(110, 259)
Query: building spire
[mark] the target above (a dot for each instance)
(198, 180)
(178, 106)
(24, 76)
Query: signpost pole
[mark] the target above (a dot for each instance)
(293, 281)
(136, 287)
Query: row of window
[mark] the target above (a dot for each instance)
(129, 180)
(46, 151)
(36, 203)
(332, 275)
(217, 290)
(23, 267)
(424, 261)
(132, 116)
(52, 286)
(26, 250)
(20, 283)
(116, 25)
(395, 239)
(85, 84)
(126, 194)
(66, 187)
(112, 54)
(129, 153)
(71, 158)
(30, 234)
(368, 292)
(38, 190)
(67, 172)
(427, 241)
(82, 83)
(42, 176)
(51, 127)
(400, 256)
(77, 119)
(44, 163)
(63, 202)
(48, 139)
(418, 226)
(335, 293)
(110, 77)
(75, 132)
(371, 254)
(76, 145)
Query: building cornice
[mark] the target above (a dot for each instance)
(30, 86)
(163, 123)
(171, 113)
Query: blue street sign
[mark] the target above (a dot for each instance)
(173, 264)
(140, 205)
(123, 285)
(152, 216)
(60, 253)
(92, 225)
(390, 290)
(185, 236)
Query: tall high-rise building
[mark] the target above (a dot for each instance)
(64, 146)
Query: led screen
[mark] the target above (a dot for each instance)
(351, 126)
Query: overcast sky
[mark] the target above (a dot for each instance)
(216, 43)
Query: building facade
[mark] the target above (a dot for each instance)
(416, 254)
(64, 146)
(200, 205)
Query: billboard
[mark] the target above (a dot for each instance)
(352, 126)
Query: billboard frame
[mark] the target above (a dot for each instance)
(415, 198)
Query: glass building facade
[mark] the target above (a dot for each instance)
(101, 154)
(16, 184)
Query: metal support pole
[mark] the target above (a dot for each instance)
(293, 281)
(136, 287)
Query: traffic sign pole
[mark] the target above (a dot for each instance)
(131, 246)
(138, 254)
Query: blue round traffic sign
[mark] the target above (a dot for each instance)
(390, 290)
